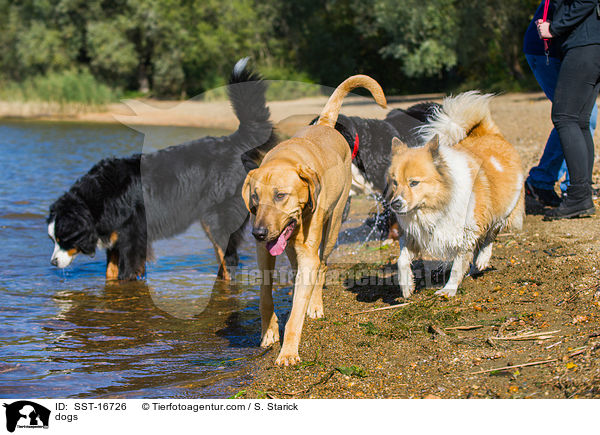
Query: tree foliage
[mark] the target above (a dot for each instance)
(422, 34)
(180, 48)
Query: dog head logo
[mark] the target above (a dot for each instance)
(26, 414)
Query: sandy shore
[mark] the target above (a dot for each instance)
(214, 114)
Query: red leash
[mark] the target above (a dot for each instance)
(355, 149)
(544, 19)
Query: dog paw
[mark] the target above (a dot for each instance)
(270, 337)
(481, 264)
(407, 290)
(315, 312)
(287, 359)
(483, 258)
(447, 291)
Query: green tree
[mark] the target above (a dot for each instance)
(173, 48)
(423, 35)
(112, 55)
(494, 30)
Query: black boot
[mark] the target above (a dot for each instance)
(546, 197)
(577, 203)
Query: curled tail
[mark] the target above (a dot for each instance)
(459, 116)
(246, 91)
(330, 112)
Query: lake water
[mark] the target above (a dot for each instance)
(65, 333)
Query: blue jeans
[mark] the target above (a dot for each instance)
(552, 164)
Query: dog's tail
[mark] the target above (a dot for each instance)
(460, 116)
(330, 112)
(246, 91)
(422, 111)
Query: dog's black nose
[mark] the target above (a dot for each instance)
(260, 233)
(54, 262)
(397, 204)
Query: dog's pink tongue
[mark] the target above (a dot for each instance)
(278, 246)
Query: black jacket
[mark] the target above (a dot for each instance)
(575, 23)
(532, 43)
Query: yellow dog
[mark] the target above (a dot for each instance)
(296, 199)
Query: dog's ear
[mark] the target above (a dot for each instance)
(434, 147)
(88, 237)
(314, 185)
(398, 146)
(246, 190)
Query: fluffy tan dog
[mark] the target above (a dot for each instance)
(296, 199)
(454, 195)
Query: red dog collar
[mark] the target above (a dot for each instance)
(355, 149)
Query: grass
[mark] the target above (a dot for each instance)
(283, 84)
(352, 371)
(239, 395)
(500, 85)
(419, 316)
(68, 87)
(370, 328)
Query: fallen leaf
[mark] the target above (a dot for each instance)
(579, 319)
(352, 371)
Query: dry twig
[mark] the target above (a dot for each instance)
(383, 308)
(555, 344)
(572, 297)
(545, 335)
(463, 328)
(535, 363)
(577, 351)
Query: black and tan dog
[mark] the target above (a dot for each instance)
(296, 199)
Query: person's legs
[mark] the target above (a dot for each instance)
(593, 118)
(574, 98)
(571, 112)
(546, 73)
(548, 170)
(564, 184)
(546, 173)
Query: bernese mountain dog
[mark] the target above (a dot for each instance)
(122, 205)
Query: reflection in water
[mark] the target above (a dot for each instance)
(64, 333)
(121, 337)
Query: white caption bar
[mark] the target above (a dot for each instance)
(166, 416)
